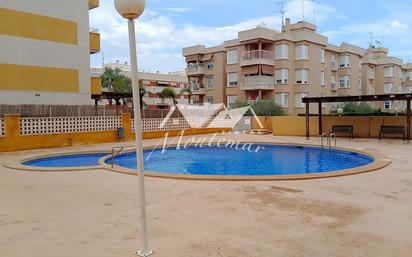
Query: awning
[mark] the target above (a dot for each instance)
(250, 70)
(207, 57)
(267, 70)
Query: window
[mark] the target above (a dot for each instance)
(231, 100)
(371, 73)
(232, 56)
(210, 99)
(282, 99)
(210, 65)
(302, 52)
(333, 61)
(322, 55)
(388, 88)
(298, 99)
(371, 90)
(281, 76)
(333, 82)
(210, 82)
(323, 95)
(232, 79)
(387, 105)
(322, 78)
(301, 76)
(388, 71)
(281, 51)
(344, 61)
(344, 82)
(408, 75)
(360, 83)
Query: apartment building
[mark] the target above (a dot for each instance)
(383, 74)
(154, 83)
(283, 66)
(46, 47)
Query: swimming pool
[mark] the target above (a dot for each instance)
(67, 161)
(270, 160)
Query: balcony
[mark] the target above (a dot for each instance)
(197, 89)
(96, 85)
(257, 57)
(94, 41)
(258, 83)
(93, 4)
(195, 70)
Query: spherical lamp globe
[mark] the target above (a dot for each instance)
(130, 9)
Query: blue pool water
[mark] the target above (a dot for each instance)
(271, 160)
(66, 161)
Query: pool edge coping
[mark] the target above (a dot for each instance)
(380, 161)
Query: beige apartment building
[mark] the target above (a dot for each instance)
(283, 66)
(154, 83)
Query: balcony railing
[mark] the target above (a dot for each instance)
(258, 57)
(258, 83)
(94, 41)
(195, 69)
(93, 4)
(197, 89)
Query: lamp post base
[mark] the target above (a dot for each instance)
(145, 253)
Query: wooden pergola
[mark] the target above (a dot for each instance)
(357, 98)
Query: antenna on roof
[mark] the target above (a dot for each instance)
(314, 11)
(371, 40)
(303, 10)
(282, 11)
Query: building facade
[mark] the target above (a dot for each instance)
(46, 47)
(281, 66)
(154, 83)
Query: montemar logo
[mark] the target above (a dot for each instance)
(215, 116)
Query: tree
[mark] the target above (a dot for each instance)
(262, 107)
(168, 93)
(188, 92)
(114, 81)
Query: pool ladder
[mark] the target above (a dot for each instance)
(329, 138)
(115, 154)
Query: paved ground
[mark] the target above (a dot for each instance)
(94, 213)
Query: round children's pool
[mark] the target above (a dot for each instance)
(245, 160)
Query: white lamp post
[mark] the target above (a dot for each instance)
(131, 10)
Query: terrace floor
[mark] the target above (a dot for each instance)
(94, 213)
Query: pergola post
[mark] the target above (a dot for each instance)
(307, 121)
(408, 120)
(320, 118)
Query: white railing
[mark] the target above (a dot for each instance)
(258, 82)
(195, 69)
(258, 57)
(59, 125)
(155, 124)
(2, 128)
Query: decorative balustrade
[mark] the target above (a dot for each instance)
(156, 124)
(258, 83)
(2, 128)
(59, 125)
(258, 57)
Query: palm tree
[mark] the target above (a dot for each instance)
(188, 92)
(168, 93)
(115, 81)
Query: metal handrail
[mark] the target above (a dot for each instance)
(114, 155)
(321, 139)
(331, 136)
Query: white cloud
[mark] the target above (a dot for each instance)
(177, 9)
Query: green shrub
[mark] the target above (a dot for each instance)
(262, 107)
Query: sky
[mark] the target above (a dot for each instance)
(168, 26)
